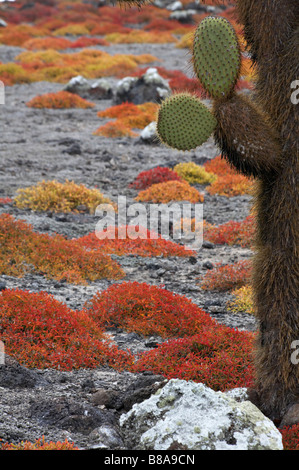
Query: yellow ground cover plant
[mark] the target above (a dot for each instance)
(194, 173)
(60, 197)
(242, 301)
(55, 66)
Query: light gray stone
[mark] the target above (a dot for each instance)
(192, 416)
(149, 87)
(149, 133)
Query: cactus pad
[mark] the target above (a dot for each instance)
(216, 56)
(184, 122)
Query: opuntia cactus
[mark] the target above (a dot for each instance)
(260, 138)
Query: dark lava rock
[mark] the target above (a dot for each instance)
(13, 375)
(70, 415)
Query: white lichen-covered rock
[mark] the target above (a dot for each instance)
(152, 77)
(3, 23)
(189, 415)
(100, 89)
(125, 84)
(149, 133)
(149, 87)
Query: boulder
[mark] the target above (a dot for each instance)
(101, 89)
(185, 16)
(149, 134)
(191, 416)
(149, 87)
(13, 375)
(177, 5)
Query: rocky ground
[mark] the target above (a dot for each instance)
(58, 144)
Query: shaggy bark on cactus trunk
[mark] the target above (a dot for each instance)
(272, 34)
(260, 138)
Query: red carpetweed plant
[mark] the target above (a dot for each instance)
(23, 250)
(147, 310)
(153, 176)
(227, 277)
(170, 191)
(6, 200)
(232, 233)
(39, 444)
(59, 100)
(290, 437)
(132, 240)
(218, 356)
(41, 332)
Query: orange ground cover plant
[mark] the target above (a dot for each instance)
(227, 277)
(59, 100)
(229, 182)
(240, 233)
(128, 116)
(170, 191)
(41, 332)
(23, 250)
(114, 130)
(133, 240)
(39, 444)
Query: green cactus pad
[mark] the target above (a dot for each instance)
(216, 56)
(184, 122)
